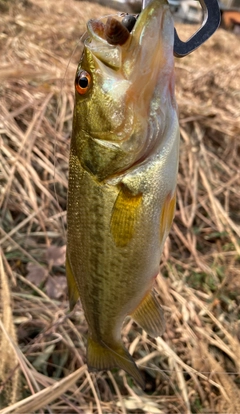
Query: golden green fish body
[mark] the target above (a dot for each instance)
(122, 180)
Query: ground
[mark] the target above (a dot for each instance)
(195, 367)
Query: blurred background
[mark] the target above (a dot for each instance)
(195, 366)
(185, 11)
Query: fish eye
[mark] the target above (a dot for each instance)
(82, 82)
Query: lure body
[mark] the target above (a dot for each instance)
(122, 181)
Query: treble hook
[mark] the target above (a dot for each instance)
(211, 21)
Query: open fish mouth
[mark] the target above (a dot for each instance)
(132, 85)
(113, 31)
(116, 41)
(133, 62)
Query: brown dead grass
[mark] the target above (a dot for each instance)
(195, 367)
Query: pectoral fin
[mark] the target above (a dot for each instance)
(167, 215)
(124, 216)
(101, 357)
(149, 315)
(72, 286)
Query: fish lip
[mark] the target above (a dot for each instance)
(103, 139)
(93, 33)
(115, 55)
(110, 137)
(106, 143)
(135, 61)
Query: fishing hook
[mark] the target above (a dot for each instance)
(211, 21)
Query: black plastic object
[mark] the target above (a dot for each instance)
(211, 21)
(129, 21)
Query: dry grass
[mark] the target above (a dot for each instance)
(195, 367)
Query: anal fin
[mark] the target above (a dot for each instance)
(149, 315)
(72, 286)
(103, 357)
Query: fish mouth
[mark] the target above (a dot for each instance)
(139, 65)
(113, 41)
(103, 41)
(142, 56)
(114, 32)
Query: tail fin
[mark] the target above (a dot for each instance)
(100, 357)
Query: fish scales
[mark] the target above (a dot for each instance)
(122, 181)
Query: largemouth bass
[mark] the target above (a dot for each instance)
(122, 179)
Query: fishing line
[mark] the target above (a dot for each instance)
(191, 370)
(80, 40)
(158, 369)
(119, 14)
(56, 126)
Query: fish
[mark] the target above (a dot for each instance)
(123, 169)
